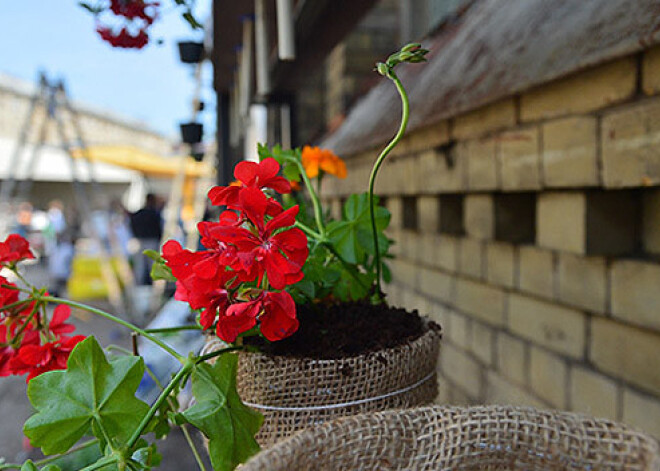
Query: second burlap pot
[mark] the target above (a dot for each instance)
(295, 393)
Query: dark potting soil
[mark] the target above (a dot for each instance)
(329, 331)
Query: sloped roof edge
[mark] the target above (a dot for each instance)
(496, 49)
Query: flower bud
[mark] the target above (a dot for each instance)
(412, 47)
(382, 69)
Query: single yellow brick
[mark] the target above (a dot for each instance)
(486, 119)
(480, 301)
(481, 164)
(642, 411)
(482, 342)
(585, 91)
(583, 281)
(561, 221)
(630, 150)
(593, 393)
(479, 216)
(635, 293)
(625, 352)
(519, 159)
(536, 271)
(435, 284)
(458, 329)
(471, 257)
(555, 327)
(461, 369)
(569, 152)
(428, 213)
(501, 391)
(651, 71)
(548, 377)
(500, 264)
(428, 137)
(512, 359)
(445, 255)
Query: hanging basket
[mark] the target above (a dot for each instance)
(295, 393)
(191, 133)
(191, 52)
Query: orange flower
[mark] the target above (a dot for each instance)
(295, 186)
(315, 158)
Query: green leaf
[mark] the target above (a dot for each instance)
(29, 466)
(353, 286)
(159, 270)
(90, 391)
(352, 237)
(146, 455)
(192, 21)
(93, 10)
(219, 413)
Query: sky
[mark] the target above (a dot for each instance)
(150, 85)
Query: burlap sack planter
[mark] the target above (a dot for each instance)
(466, 438)
(295, 393)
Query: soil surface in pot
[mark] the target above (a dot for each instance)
(330, 331)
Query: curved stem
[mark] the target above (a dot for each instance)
(216, 353)
(166, 330)
(50, 459)
(156, 405)
(116, 320)
(101, 463)
(308, 230)
(405, 110)
(318, 214)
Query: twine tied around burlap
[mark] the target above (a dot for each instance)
(466, 438)
(295, 393)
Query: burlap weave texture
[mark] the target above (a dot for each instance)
(464, 438)
(295, 393)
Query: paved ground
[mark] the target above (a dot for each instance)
(15, 408)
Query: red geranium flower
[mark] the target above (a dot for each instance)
(279, 318)
(37, 359)
(276, 313)
(9, 351)
(250, 175)
(279, 254)
(7, 294)
(14, 249)
(57, 324)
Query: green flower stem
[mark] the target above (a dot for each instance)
(309, 231)
(193, 448)
(166, 330)
(101, 463)
(27, 321)
(405, 112)
(208, 356)
(184, 371)
(318, 214)
(50, 459)
(16, 304)
(116, 320)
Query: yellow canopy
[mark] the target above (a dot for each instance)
(150, 164)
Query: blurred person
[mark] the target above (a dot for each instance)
(56, 216)
(56, 225)
(147, 228)
(60, 261)
(23, 219)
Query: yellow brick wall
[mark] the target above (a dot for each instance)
(570, 319)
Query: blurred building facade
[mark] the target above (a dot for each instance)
(524, 199)
(52, 174)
